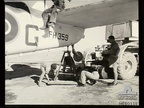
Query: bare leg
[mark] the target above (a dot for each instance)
(94, 76)
(42, 76)
(86, 74)
(53, 17)
(46, 17)
(47, 78)
(105, 82)
(112, 63)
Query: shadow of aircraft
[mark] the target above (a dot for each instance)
(21, 70)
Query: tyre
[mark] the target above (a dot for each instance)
(78, 57)
(127, 66)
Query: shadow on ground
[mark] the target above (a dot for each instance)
(21, 70)
(61, 77)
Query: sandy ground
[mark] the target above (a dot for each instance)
(21, 85)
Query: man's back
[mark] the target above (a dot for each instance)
(114, 49)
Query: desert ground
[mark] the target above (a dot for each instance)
(21, 85)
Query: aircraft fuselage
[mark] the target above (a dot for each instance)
(23, 33)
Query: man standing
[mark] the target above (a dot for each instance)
(110, 57)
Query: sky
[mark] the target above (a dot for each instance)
(93, 36)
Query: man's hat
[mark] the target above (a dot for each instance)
(111, 37)
(53, 66)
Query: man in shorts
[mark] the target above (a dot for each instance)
(48, 71)
(110, 56)
(112, 53)
(50, 15)
(88, 75)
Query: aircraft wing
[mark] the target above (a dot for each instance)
(99, 13)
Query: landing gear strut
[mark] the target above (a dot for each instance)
(68, 60)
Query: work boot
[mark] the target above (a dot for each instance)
(45, 25)
(91, 82)
(80, 84)
(51, 24)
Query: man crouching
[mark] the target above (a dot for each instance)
(89, 75)
(48, 71)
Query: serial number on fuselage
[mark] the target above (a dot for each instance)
(59, 36)
(50, 34)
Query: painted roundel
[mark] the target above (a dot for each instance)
(11, 27)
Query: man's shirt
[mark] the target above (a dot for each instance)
(114, 49)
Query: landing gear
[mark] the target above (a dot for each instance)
(68, 61)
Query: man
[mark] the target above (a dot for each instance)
(49, 15)
(68, 61)
(48, 71)
(110, 57)
(88, 75)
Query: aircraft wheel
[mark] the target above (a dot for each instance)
(78, 56)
